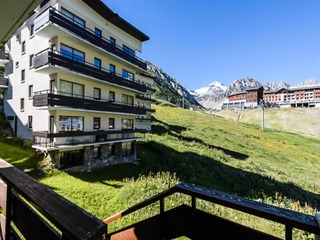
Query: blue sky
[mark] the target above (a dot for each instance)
(198, 42)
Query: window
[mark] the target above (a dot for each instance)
(21, 104)
(112, 41)
(112, 96)
(72, 53)
(127, 75)
(23, 75)
(128, 50)
(23, 47)
(96, 152)
(71, 89)
(17, 64)
(96, 123)
(127, 100)
(18, 37)
(74, 18)
(30, 122)
(112, 69)
(31, 60)
(32, 30)
(111, 150)
(98, 32)
(111, 123)
(68, 123)
(97, 63)
(127, 149)
(97, 93)
(30, 91)
(71, 158)
(126, 123)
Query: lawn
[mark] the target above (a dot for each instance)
(271, 166)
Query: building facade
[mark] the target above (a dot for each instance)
(76, 87)
(249, 98)
(308, 96)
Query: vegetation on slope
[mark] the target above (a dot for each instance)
(274, 167)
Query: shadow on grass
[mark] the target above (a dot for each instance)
(203, 171)
(177, 130)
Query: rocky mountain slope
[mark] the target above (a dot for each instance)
(211, 96)
(213, 99)
(170, 90)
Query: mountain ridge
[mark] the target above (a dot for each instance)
(212, 95)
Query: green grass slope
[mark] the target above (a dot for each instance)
(270, 166)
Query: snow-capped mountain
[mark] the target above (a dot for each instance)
(212, 95)
(213, 88)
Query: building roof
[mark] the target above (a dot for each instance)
(303, 88)
(253, 88)
(112, 17)
(237, 93)
(274, 90)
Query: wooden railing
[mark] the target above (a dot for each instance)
(30, 210)
(193, 223)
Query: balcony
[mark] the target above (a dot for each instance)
(55, 217)
(146, 98)
(3, 82)
(4, 56)
(48, 57)
(55, 17)
(67, 139)
(49, 99)
(189, 221)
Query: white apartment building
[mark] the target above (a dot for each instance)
(74, 86)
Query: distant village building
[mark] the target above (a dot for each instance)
(308, 96)
(295, 96)
(250, 98)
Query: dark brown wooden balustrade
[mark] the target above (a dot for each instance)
(3, 81)
(39, 213)
(46, 98)
(191, 222)
(48, 56)
(56, 17)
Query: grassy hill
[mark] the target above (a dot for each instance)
(303, 121)
(270, 166)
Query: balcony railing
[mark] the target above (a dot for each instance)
(56, 17)
(145, 98)
(47, 98)
(3, 81)
(73, 138)
(30, 210)
(4, 55)
(189, 221)
(53, 57)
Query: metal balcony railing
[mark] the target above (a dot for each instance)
(48, 98)
(56, 17)
(54, 57)
(74, 138)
